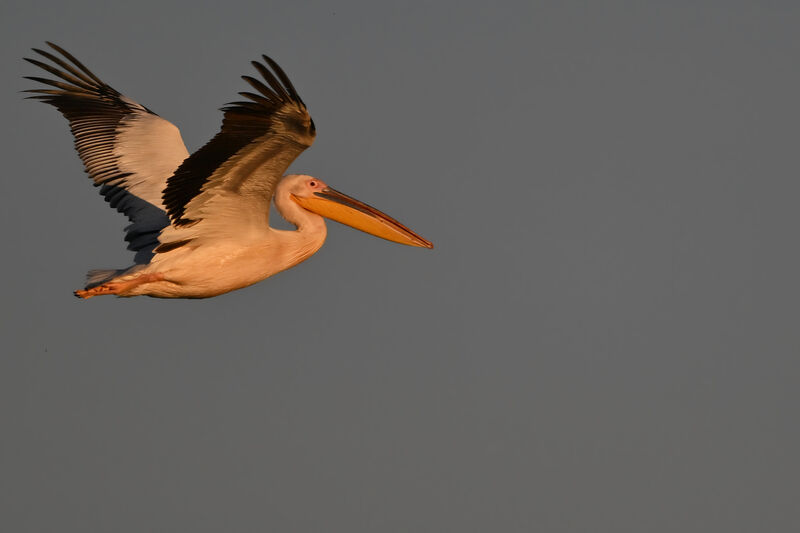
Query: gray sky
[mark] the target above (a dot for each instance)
(604, 339)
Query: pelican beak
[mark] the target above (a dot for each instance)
(334, 205)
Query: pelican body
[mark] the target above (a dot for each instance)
(200, 222)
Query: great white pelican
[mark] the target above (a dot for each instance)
(200, 222)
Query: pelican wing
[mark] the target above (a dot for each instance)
(228, 183)
(127, 150)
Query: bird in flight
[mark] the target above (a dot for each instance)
(200, 222)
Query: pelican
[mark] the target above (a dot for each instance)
(200, 222)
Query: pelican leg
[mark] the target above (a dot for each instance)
(118, 286)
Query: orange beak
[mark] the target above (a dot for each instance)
(334, 205)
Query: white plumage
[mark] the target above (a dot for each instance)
(200, 222)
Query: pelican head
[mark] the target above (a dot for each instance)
(316, 196)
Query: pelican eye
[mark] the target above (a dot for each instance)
(312, 183)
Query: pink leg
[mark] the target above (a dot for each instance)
(118, 287)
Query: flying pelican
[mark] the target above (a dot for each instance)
(200, 222)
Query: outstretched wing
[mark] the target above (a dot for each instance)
(127, 150)
(228, 183)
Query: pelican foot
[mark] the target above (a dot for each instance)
(117, 287)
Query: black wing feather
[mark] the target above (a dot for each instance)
(77, 63)
(66, 66)
(272, 80)
(284, 78)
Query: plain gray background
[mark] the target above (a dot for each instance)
(604, 339)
